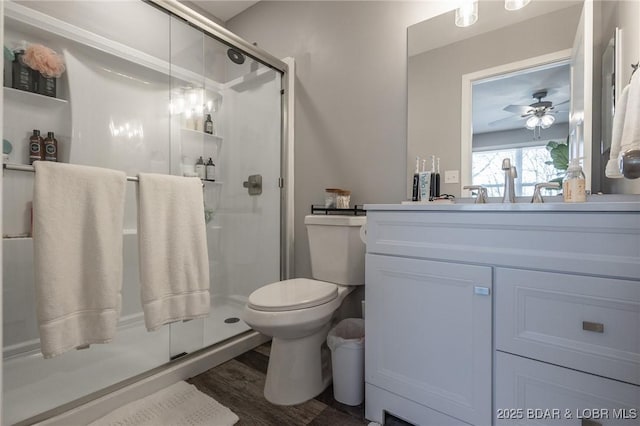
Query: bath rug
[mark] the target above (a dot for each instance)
(180, 404)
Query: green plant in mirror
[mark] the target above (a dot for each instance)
(559, 153)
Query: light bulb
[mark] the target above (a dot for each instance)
(547, 120)
(515, 4)
(532, 122)
(467, 13)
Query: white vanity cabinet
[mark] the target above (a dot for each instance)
(484, 314)
(442, 312)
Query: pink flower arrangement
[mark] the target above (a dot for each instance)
(43, 59)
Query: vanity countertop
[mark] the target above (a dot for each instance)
(595, 203)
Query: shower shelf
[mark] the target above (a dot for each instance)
(33, 99)
(208, 136)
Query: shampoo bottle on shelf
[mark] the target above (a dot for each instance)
(210, 170)
(208, 125)
(50, 147)
(200, 168)
(36, 147)
(573, 184)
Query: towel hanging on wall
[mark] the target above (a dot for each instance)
(78, 214)
(626, 127)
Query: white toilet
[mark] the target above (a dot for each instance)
(298, 313)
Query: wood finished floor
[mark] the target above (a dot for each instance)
(238, 384)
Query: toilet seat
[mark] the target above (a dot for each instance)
(288, 295)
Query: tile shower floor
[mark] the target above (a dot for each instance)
(238, 384)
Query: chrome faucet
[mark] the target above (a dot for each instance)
(510, 173)
(482, 193)
(537, 196)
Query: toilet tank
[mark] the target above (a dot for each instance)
(337, 251)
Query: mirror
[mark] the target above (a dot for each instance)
(447, 67)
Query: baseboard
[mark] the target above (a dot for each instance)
(94, 406)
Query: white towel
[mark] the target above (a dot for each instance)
(626, 126)
(174, 264)
(77, 234)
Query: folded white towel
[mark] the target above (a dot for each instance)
(626, 126)
(77, 234)
(174, 263)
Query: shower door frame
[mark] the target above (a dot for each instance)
(286, 118)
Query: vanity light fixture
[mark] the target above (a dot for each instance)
(515, 4)
(467, 13)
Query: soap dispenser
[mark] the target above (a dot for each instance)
(573, 184)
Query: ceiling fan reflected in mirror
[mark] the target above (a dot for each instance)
(538, 114)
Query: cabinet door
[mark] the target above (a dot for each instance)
(429, 334)
(531, 392)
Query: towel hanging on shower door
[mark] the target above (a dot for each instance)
(78, 216)
(174, 262)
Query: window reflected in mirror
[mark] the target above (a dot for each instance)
(516, 115)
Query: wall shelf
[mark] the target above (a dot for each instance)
(32, 99)
(207, 136)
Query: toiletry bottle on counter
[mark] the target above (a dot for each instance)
(208, 125)
(432, 190)
(36, 147)
(210, 170)
(415, 193)
(200, 168)
(437, 184)
(573, 185)
(425, 182)
(50, 148)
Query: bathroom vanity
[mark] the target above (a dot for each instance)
(504, 314)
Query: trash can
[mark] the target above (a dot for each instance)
(346, 341)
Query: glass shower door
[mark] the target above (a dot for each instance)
(226, 108)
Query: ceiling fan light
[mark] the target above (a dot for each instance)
(546, 121)
(511, 5)
(467, 13)
(532, 122)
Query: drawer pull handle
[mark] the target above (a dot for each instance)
(596, 327)
(588, 422)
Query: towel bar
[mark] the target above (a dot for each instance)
(27, 168)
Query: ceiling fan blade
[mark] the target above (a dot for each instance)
(561, 103)
(518, 109)
(512, 119)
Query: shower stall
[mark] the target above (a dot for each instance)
(142, 81)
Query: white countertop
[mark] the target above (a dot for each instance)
(595, 203)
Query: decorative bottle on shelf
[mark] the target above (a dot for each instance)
(210, 170)
(208, 125)
(36, 147)
(573, 184)
(23, 77)
(50, 148)
(200, 168)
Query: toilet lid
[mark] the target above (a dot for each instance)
(298, 293)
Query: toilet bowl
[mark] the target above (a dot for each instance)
(298, 313)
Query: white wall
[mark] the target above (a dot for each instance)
(351, 102)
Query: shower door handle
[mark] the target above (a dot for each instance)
(253, 184)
